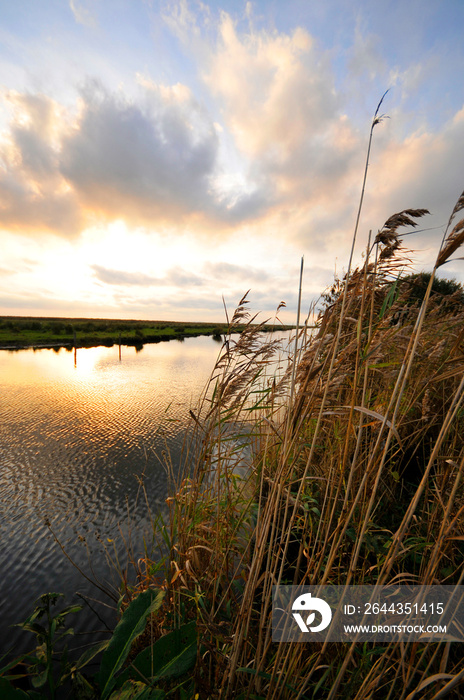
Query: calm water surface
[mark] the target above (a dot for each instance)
(73, 440)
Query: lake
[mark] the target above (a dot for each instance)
(75, 438)
(79, 434)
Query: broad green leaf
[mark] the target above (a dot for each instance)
(16, 662)
(129, 628)
(170, 656)
(81, 687)
(89, 654)
(86, 657)
(70, 609)
(33, 627)
(41, 679)
(389, 299)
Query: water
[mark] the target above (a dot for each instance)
(74, 438)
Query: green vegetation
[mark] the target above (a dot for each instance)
(22, 332)
(345, 467)
(174, 655)
(446, 293)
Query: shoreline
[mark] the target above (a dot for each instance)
(138, 335)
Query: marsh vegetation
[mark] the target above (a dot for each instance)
(355, 478)
(340, 463)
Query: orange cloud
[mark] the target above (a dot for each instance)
(34, 196)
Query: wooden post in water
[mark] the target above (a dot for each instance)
(120, 347)
(75, 349)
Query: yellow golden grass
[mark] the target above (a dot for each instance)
(338, 463)
(354, 476)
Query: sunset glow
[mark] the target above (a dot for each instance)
(156, 156)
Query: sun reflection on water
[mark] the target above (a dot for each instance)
(73, 440)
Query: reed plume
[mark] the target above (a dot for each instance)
(337, 461)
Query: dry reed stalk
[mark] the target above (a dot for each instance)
(367, 511)
(333, 504)
(376, 120)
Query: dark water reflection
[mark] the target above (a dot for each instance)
(73, 439)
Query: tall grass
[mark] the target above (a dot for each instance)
(356, 480)
(340, 464)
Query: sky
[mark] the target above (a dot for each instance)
(159, 158)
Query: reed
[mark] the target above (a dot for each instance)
(336, 461)
(340, 463)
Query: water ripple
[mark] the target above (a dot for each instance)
(72, 442)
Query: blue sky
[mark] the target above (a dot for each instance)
(155, 156)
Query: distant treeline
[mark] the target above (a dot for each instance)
(23, 331)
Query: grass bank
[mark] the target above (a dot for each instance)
(23, 332)
(344, 468)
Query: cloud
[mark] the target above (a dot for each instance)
(280, 105)
(229, 271)
(82, 14)
(175, 277)
(151, 162)
(422, 170)
(140, 162)
(120, 277)
(188, 26)
(278, 99)
(268, 82)
(178, 277)
(273, 154)
(365, 59)
(33, 194)
(292, 143)
(212, 273)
